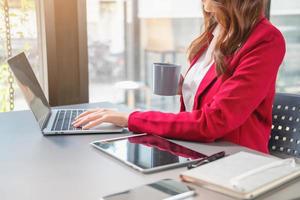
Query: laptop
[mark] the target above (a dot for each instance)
(51, 121)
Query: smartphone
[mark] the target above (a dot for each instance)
(166, 189)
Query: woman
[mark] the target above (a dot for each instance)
(228, 91)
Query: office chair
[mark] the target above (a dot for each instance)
(285, 136)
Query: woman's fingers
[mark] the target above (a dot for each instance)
(96, 117)
(86, 119)
(85, 114)
(93, 123)
(102, 116)
(88, 112)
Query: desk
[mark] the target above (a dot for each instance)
(35, 167)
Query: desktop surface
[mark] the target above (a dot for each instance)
(34, 167)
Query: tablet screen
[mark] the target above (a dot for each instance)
(148, 151)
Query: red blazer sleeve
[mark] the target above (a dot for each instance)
(235, 101)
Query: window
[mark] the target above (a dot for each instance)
(285, 15)
(106, 43)
(24, 37)
(166, 30)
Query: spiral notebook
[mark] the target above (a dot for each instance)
(243, 175)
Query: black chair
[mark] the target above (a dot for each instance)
(285, 135)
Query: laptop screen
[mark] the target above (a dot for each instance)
(30, 87)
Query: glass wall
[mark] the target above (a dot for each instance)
(166, 30)
(285, 15)
(24, 37)
(106, 32)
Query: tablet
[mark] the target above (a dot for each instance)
(148, 153)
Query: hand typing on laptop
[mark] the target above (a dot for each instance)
(95, 117)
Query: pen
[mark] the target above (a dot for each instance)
(208, 159)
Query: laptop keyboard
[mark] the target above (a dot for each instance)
(64, 118)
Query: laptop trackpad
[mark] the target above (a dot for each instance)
(107, 127)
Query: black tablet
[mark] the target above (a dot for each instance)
(148, 153)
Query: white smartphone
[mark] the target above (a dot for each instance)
(166, 189)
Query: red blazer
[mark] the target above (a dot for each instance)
(235, 107)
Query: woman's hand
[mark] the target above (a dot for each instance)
(95, 117)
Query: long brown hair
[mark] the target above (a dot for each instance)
(237, 18)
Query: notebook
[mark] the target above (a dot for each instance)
(243, 175)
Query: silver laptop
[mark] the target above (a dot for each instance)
(51, 121)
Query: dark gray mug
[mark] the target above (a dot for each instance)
(166, 78)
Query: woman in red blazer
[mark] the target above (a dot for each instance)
(233, 101)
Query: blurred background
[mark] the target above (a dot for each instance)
(120, 56)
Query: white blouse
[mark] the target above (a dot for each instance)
(197, 73)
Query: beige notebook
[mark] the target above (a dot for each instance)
(243, 175)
